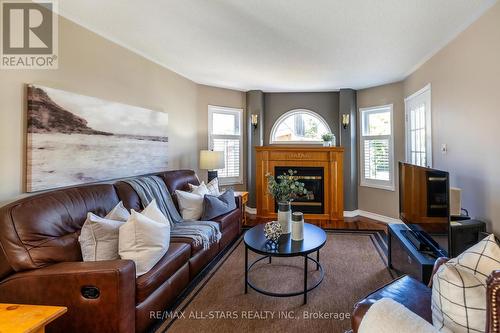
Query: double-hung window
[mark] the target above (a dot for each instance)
(377, 147)
(225, 133)
(418, 128)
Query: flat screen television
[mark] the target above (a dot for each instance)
(424, 206)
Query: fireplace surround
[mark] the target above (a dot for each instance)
(320, 168)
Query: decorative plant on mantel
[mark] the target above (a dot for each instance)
(328, 139)
(285, 187)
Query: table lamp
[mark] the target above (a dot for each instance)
(211, 160)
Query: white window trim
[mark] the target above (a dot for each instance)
(428, 125)
(290, 113)
(222, 109)
(379, 184)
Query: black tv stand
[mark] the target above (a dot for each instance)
(409, 253)
(415, 240)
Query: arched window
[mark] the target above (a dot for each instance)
(299, 126)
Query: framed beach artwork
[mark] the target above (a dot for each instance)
(75, 139)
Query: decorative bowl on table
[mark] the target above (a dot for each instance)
(273, 231)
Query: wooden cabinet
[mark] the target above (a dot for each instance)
(330, 159)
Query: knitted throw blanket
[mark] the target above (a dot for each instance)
(148, 188)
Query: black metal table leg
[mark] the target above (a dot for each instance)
(270, 259)
(305, 279)
(317, 261)
(246, 270)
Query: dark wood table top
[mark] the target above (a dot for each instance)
(314, 239)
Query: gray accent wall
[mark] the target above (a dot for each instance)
(325, 104)
(330, 106)
(347, 105)
(255, 105)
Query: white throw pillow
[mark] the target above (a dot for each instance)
(99, 238)
(154, 213)
(212, 186)
(459, 288)
(388, 316)
(144, 241)
(119, 213)
(191, 203)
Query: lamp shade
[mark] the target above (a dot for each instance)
(211, 160)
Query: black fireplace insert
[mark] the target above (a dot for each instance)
(313, 178)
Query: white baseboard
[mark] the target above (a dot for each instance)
(352, 213)
(370, 215)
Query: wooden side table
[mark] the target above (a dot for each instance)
(28, 318)
(244, 200)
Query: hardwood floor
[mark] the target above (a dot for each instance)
(351, 223)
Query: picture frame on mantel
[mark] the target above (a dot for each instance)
(74, 139)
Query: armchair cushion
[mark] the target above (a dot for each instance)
(389, 316)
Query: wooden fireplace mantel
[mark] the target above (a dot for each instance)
(329, 158)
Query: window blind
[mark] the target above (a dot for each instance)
(376, 157)
(225, 134)
(231, 149)
(376, 149)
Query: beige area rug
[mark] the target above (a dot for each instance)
(354, 264)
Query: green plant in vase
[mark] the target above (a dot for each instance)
(284, 188)
(328, 139)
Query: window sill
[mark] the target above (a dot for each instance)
(229, 182)
(379, 186)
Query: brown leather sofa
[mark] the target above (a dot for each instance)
(416, 296)
(41, 261)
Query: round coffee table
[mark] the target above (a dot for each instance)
(314, 240)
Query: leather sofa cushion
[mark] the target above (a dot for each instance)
(195, 248)
(128, 196)
(225, 221)
(177, 255)
(43, 229)
(180, 180)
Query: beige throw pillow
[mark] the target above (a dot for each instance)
(212, 187)
(99, 238)
(145, 238)
(459, 288)
(119, 213)
(191, 203)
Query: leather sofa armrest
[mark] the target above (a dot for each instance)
(439, 262)
(108, 308)
(493, 302)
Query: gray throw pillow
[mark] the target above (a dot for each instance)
(214, 206)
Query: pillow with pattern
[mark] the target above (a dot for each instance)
(459, 288)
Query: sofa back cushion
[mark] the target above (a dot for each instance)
(43, 229)
(179, 180)
(128, 196)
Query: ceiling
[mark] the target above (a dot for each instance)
(281, 45)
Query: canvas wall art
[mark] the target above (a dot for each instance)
(75, 139)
